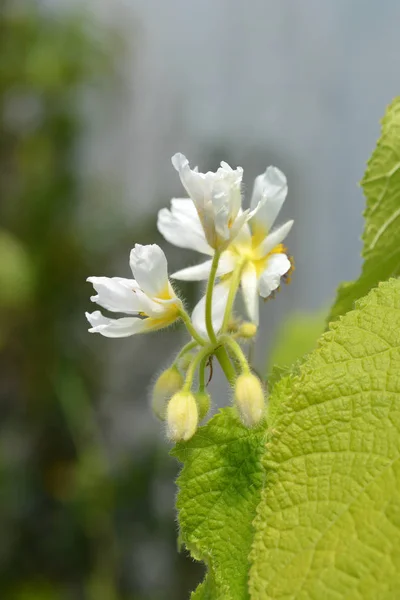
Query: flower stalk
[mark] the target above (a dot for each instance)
(233, 289)
(209, 296)
(189, 326)
(237, 352)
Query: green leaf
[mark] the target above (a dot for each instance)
(381, 237)
(220, 487)
(328, 524)
(275, 375)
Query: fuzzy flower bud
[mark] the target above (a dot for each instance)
(169, 382)
(182, 416)
(249, 399)
(203, 403)
(247, 330)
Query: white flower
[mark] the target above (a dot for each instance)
(148, 298)
(217, 201)
(256, 250)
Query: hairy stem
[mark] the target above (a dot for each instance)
(202, 374)
(201, 356)
(189, 326)
(187, 348)
(226, 364)
(237, 351)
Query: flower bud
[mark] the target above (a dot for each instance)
(169, 382)
(249, 399)
(247, 330)
(182, 416)
(203, 401)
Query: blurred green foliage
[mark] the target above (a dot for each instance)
(68, 519)
(296, 337)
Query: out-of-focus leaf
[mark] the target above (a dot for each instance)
(16, 273)
(296, 338)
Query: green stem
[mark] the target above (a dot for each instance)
(209, 295)
(237, 351)
(235, 282)
(187, 348)
(226, 364)
(202, 374)
(188, 323)
(203, 354)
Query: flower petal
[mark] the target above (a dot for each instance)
(278, 265)
(149, 268)
(196, 273)
(202, 271)
(243, 237)
(240, 229)
(115, 328)
(249, 284)
(192, 181)
(216, 196)
(271, 186)
(274, 238)
(219, 300)
(182, 227)
(117, 294)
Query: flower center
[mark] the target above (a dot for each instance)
(247, 252)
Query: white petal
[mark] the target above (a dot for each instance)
(221, 215)
(196, 273)
(202, 271)
(216, 196)
(115, 328)
(278, 265)
(240, 228)
(219, 300)
(192, 181)
(117, 294)
(238, 225)
(271, 186)
(243, 237)
(226, 198)
(149, 268)
(182, 227)
(160, 307)
(186, 207)
(249, 283)
(274, 238)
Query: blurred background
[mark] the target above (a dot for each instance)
(95, 97)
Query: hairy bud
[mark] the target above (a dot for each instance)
(203, 401)
(169, 382)
(249, 399)
(182, 416)
(247, 330)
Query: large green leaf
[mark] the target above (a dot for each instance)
(381, 237)
(220, 487)
(328, 524)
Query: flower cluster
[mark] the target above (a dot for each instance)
(244, 251)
